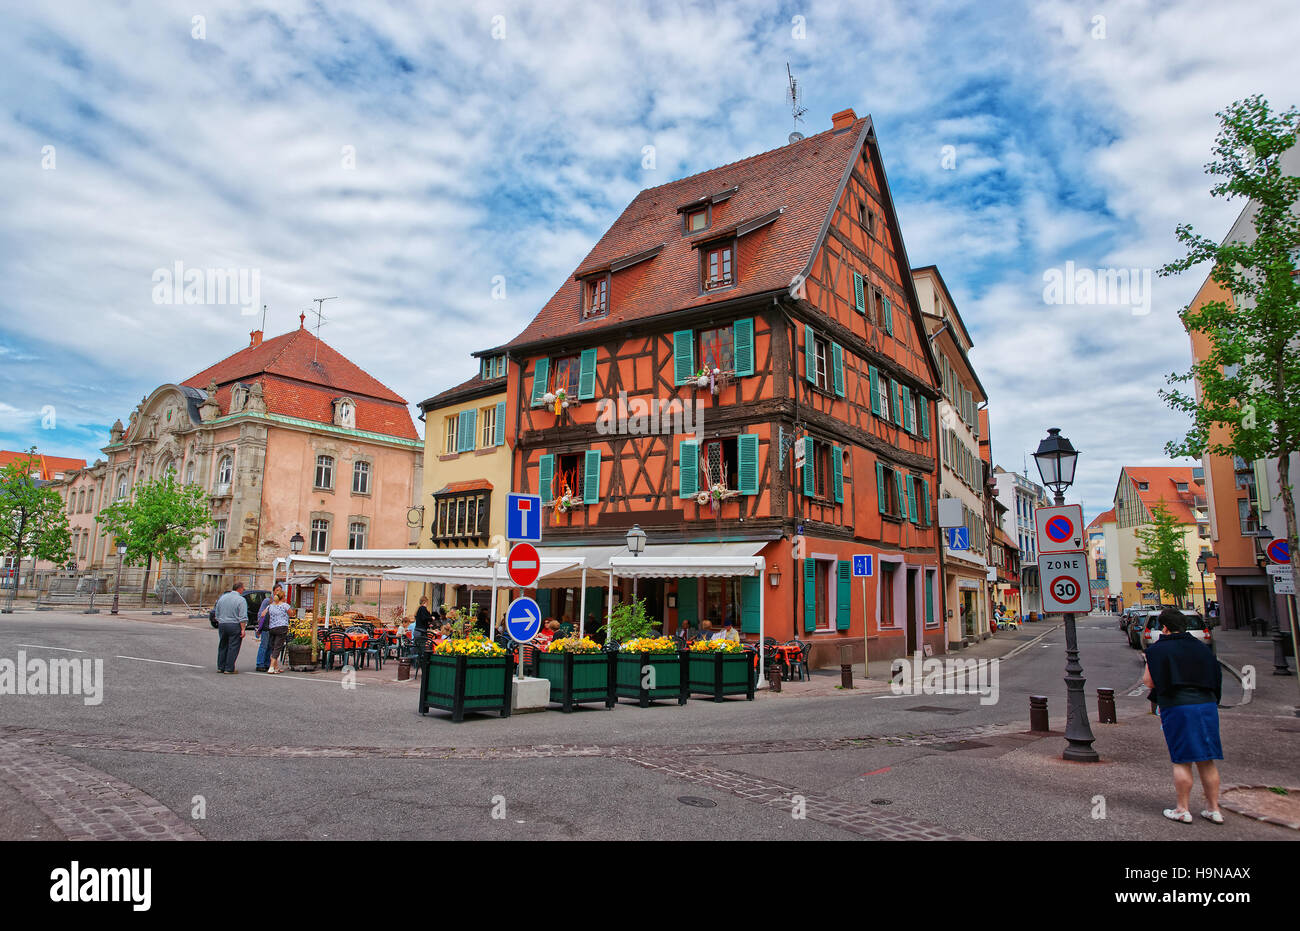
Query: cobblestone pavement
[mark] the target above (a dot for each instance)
(83, 802)
(86, 803)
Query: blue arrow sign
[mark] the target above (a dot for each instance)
(523, 619)
(864, 564)
(958, 538)
(523, 518)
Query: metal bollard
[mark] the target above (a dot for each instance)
(1106, 706)
(1038, 714)
(403, 669)
(774, 678)
(846, 667)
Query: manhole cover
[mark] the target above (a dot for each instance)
(935, 709)
(881, 801)
(696, 802)
(959, 745)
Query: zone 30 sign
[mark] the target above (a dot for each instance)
(1065, 582)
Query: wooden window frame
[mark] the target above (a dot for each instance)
(329, 474)
(717, 248)
(576, 368)
(358, 472)
(706, 209)
(487, 426)
(323, 531)
(730, 330)
(725, 444)
(595, 296)
(219, 528)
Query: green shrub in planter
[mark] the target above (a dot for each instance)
(459, 683)
(578, 677)
(650, 677)
(719, 674)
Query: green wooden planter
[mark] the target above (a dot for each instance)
(578, 677)
(718, 675)
(669, 677)
(466, 683)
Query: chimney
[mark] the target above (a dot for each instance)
(844, 119)
(255, 338)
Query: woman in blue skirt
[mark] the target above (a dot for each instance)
(1187, 684)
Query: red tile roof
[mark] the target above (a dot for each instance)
(478, 386)
(474, 484)
(1161, 487)
(802, 177)
(1105, 517)
(301, 376)
(49, 465)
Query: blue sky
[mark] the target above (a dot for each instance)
(500, 139)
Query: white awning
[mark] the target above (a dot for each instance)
(646, 566)
(373, 564)
(482, 578)
(598, 557)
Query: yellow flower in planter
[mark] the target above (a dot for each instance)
(649, 645)
(573, 645)
(469, 646)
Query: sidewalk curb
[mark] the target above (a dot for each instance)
(1025, 646)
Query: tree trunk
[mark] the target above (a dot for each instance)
(144, 586)
(1288, 508)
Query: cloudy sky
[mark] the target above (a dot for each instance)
(403, 156)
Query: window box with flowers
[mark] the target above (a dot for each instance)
(718, 668)
(469, 673)
(579, 671)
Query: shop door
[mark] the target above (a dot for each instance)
(913, 632)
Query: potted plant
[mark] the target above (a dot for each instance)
(649, 669)
(300, 632)
(469, 673)
(718, 668)
(579, 671)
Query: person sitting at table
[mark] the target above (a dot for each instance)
(728, 632)
(706, 630)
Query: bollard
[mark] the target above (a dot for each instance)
(1106, 706)
(1038, 714)
(774, 677)
(403, 669)
(846, 667)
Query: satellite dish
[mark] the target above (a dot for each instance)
(795, 137)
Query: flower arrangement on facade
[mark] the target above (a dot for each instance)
(717, 492)
(557, 400)
(565, 503)
(649, 645)
(712, 378)
(573, 645)
(474, 644)
(717, 646)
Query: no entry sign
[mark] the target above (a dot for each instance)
(1065, 582)
(1060, 529)
(524, 565)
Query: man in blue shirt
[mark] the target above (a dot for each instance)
(232, 617)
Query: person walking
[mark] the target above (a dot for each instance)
(420, 632)
(232, 617)
(264, 650)
(277, 628)
(1187, 682)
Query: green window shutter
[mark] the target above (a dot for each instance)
(842, 602)
(750, 593)
(858, 300)
(541, 372)
(898, 494)
(908, 424)
(837, 363)
(747, 463)
(925, 499)
(911, 499)
(743, 341)
(591, 477)
(881, 504)
(1261, 485)
(888, 310)
(468, 425)
(688, 602)
(587, 375)
(929, 598)
(808, 466)
(809, 355)
(875, 388)
(809, 594)
(896, 400)
(837, 473)
(925, 417)
(501, 423)
(545, 476)
(683, 356)
(688, 470)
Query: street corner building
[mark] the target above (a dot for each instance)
(740, 367)
(287, 436)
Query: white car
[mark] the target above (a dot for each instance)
(1196, 626)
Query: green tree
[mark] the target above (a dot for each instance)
(163, 521)
(1164, 553)
(1249, 382)
(33, 519)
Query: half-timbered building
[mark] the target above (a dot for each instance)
(739, 366)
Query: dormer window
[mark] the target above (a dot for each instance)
(238, 399)
(697, 220)
(345, 413)
(719, 266)
(492, 367)
(595, 297)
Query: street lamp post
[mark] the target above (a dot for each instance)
(117, 585)
(635, 546)
(1203, 563)
(1056, 458)
(295, 547)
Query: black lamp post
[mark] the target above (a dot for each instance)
(117, 586)
(635, 546)
(1203, 563)
(1056, 458)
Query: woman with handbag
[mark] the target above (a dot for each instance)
(277, 628)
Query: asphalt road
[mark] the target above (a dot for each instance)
(299, 756)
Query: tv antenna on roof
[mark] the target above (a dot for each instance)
(320, 318)
(795, 97)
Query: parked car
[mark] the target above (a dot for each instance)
(254, 601)
(1197, 626)
(1129, 614)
